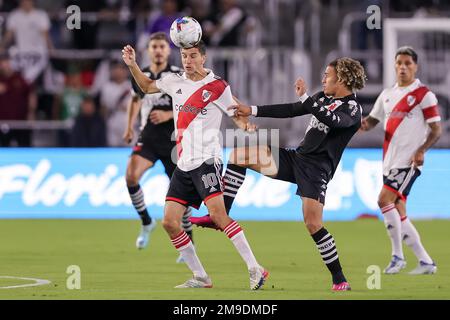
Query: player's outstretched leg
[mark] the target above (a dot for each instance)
(187, 227)
(233, 179)
(312, 213)
(234, 232)
(173, 213)
(411, 238)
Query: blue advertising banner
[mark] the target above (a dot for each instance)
(90, 184)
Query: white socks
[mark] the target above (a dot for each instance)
(393, 226)
(412, 239)
(184, 245)
(236, 235)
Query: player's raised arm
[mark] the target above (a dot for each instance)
(129, 57)
(285, 110)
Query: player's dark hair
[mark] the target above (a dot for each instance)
(201, 46)
(350, 72)
(158, 36)
(409, 51)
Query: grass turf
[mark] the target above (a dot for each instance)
(112, 268)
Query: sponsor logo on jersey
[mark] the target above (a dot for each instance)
(190, 109)
(179, 91)
(314, 123)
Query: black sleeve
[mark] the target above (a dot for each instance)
(286, 110)
(344, 116)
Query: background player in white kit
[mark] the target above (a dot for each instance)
(199, 99)
(412, 125)
(155, 138)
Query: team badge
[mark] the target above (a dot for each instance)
(410, 100)
(206, 95)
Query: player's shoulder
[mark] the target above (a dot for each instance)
(174, 69)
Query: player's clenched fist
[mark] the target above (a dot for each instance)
(300, 87)
(128, 55)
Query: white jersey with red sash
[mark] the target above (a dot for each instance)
(406, 112)
(197, 108)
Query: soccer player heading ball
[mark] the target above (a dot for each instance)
(199, 98)
(336, 117)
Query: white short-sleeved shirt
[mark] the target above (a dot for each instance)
(28, 28)
(198, 107)
(406, 112)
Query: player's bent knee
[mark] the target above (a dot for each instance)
(132, 178)
(313, 227)
(170, 225)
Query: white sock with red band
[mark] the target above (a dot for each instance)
(236, 234)
(184, 245)
(412, 239)
(394, 229)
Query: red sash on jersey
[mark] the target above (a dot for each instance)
(196, 100)
(401, 109)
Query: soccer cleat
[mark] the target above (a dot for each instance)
(204, 222)
(143, 238)
(257, 277)
(424, 268)
(395, 265)
(196, 282)
(343, 286)
(180, 259)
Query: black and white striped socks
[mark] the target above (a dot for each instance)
(137, 199)
(328, 251)
(233, 179)
(186, 223)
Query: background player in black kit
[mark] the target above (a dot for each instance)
(154, 142)
(336, 117)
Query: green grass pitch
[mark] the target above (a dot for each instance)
(112, 268)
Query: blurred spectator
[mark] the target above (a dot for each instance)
(67, 105)
(223, 28)
(170, 10)
(29, 28)
(17, 102)
(114, 96)
(89, 129)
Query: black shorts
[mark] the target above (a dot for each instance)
(190, 188)
(311, 181)
(400, 181)
(148, 149)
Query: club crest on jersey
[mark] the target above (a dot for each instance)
(206, 95)
(410, 100)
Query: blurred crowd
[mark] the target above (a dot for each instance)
(49, 71)
(90, 94)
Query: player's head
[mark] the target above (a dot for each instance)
(405, 65)
(158, 48)
(343, 73)
(194, 58)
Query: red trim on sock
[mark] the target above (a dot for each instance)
(401, 196)
(387, 208)
(403, 218)
(181, 240)
(212, 196)
(232, 229)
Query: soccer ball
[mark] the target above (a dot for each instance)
(185, 32)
